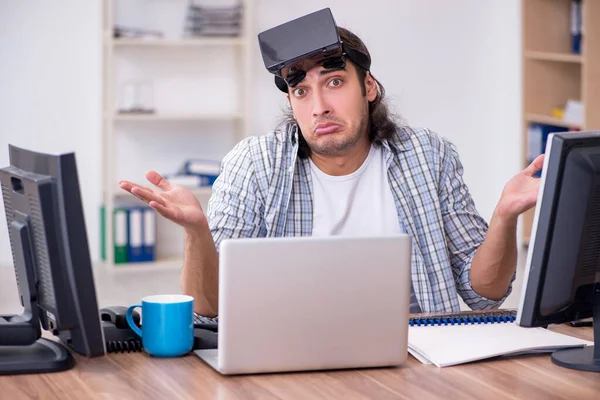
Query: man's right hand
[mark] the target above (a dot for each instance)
(174, 202)
(200, 273)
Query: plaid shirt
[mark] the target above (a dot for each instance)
(265, 190)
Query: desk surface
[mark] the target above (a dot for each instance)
(136, 375)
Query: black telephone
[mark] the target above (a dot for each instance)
(118, 335)
(120, 338)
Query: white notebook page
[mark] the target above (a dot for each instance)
(448, 345)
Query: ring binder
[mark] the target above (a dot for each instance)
(467, 318)
(457, 338)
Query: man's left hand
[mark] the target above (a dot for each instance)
(521, 192)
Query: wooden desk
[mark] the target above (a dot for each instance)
(138, 376)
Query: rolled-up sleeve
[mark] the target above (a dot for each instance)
(235, 207)
(465, 229)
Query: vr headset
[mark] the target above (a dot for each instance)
(291, 49)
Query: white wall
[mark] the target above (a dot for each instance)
(50, 65)
(450, 66)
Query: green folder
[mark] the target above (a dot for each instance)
(121, 234)
(103, 233)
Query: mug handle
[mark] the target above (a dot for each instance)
(129, 319)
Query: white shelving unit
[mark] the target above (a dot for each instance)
(201, 192)
(184, 42)
(179, 117)
(162, 121)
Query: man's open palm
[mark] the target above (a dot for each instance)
(521, 192)
(174, 202)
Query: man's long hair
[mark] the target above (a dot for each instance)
(382, 124)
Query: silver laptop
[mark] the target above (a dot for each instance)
(312, 303)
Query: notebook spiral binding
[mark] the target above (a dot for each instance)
(488, 317)
(122, 346)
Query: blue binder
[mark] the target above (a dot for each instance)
(136, 234)
(537, 138)
(576, 26)
(206, 170)
(149, 229)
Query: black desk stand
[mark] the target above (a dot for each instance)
(22, 349)
(586, 358)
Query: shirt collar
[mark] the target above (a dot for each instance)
(399, 142)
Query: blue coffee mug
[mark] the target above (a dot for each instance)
(167, 324)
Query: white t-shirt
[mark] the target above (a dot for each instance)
(358, 204)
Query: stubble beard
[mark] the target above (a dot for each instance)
(333, 144)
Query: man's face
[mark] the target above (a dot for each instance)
(331, 109)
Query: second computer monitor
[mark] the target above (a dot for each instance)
(562, 277)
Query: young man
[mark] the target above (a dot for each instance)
(339, 165)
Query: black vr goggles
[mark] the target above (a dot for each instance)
(291, 49)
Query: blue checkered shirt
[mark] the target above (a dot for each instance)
(265, 190)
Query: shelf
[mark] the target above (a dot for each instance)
(178, 117)
(544, 119)
(553, 56)
(198, 192)
(192, 42)
(167, 263)
(166, 62)
(546, 25)
(553, 74)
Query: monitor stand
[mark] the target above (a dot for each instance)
(586, 358)
(40, 357)
(22, 349)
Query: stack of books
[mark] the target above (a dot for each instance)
(195, 173)
(203, 20)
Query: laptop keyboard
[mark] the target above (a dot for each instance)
(203, 322)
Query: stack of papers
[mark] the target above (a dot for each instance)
(447, 345)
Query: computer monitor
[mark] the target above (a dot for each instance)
(562, 276)
(52, 264)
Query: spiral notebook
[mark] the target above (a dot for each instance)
(446, 340)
